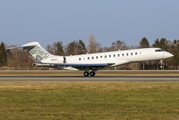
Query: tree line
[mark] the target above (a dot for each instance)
(19, 59)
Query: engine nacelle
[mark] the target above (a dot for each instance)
(34, 64)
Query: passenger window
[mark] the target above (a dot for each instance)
(126, 54)
(123, 54)
(92, 57)
(105, 56)
(101, 56)
(114, 55)
(109, 56)
(88, 58)
(118, 55)
(96, 57)
(79, 59)
(135, 53)
(131, 54)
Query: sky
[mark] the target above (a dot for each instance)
(49, 21)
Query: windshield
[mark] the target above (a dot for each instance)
(159, 50)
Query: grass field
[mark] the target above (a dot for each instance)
(98, 73)
(86, 100)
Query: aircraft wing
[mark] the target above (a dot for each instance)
(73, 66)
(81, 64)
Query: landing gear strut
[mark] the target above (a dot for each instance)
(161, 64)
(86, 73)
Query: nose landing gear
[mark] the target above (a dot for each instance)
(86, 73)
(161, 63)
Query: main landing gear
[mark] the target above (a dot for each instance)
(86, 73)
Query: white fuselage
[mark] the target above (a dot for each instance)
(116, 57)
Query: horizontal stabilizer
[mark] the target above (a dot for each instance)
(26, 46)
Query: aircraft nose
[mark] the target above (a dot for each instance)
(168, 55)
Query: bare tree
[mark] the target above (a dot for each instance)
(118, 45)
(76, 48)
(49, 48)
(56, 48)
(17, 59)
(93, 46)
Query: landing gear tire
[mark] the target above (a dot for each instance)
(86, 74)
(92, 74)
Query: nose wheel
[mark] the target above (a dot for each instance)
(86, 74)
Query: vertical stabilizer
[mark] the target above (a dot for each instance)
(38, 53)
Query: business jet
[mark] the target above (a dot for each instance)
(90, 63)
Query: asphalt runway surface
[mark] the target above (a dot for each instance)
(96, 78)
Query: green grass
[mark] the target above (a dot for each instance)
(76, 100)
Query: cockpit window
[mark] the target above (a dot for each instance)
(159, 50)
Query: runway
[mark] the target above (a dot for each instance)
(97, 78)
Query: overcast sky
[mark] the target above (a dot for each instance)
(49, 21)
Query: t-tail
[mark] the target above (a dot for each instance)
(37, 52)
